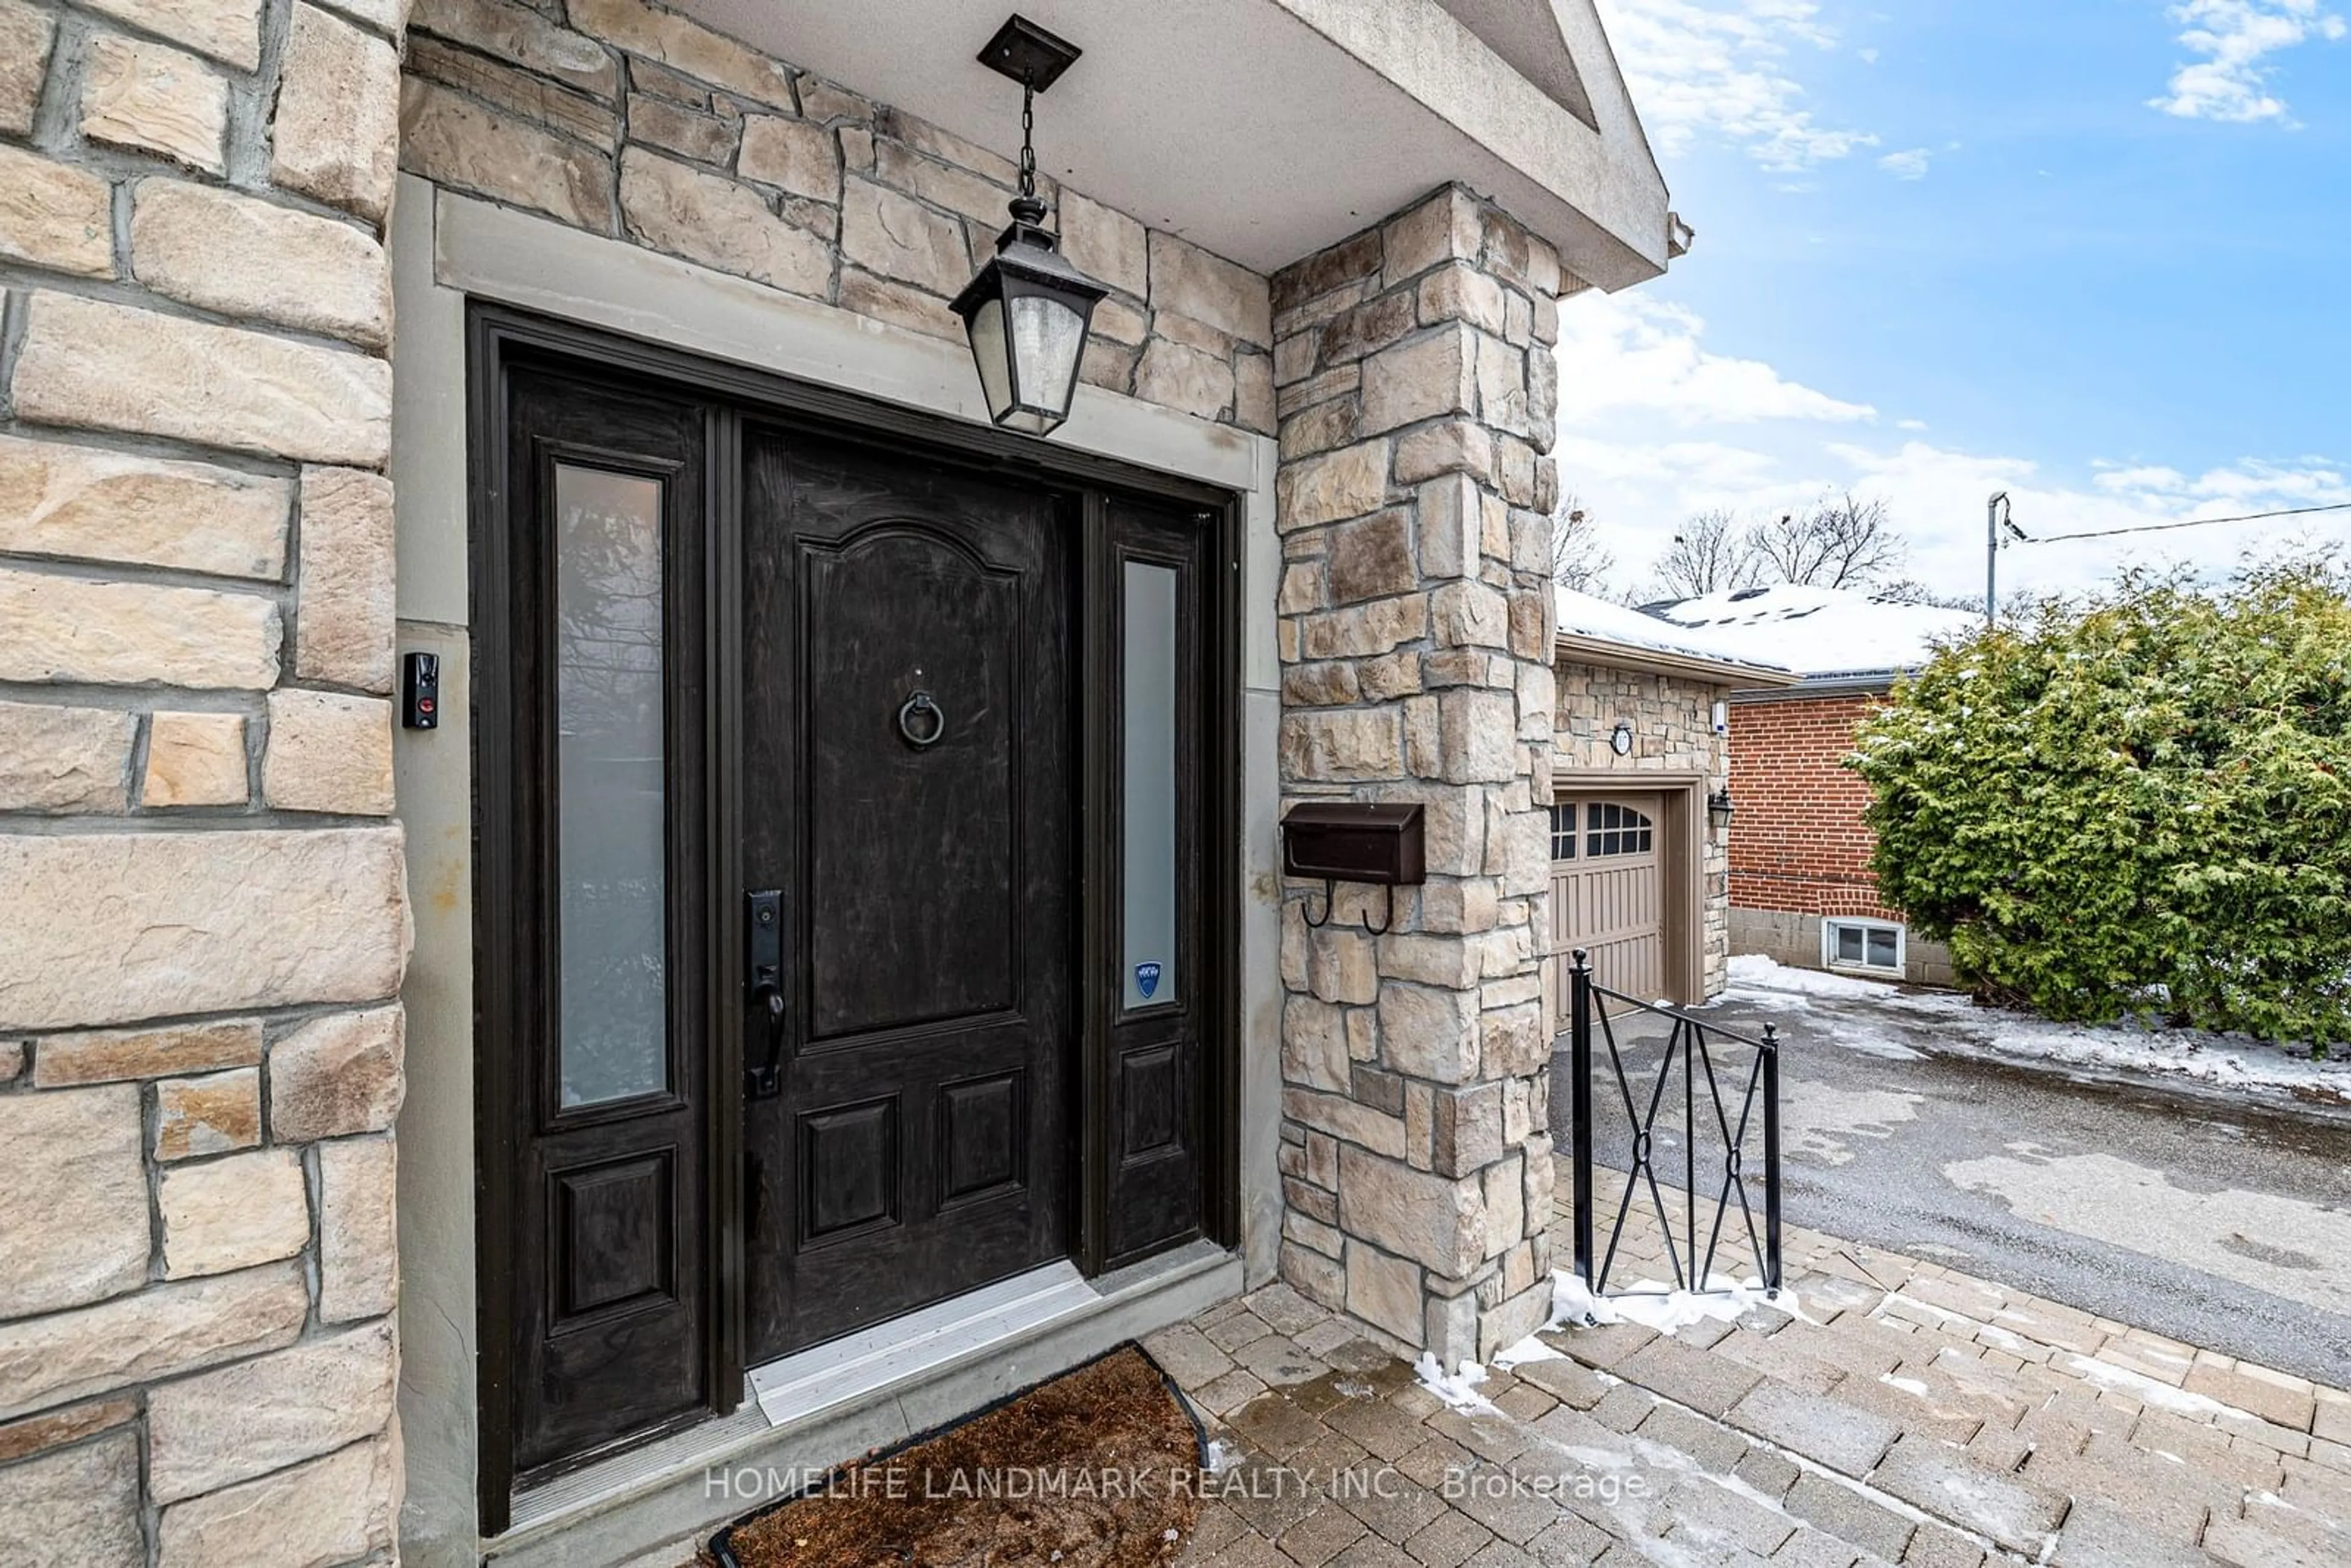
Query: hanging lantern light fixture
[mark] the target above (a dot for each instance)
(1028, 311)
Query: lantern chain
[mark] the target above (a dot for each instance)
(1028, 129)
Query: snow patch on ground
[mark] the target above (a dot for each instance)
(1460, 1389)
(1659, 1307)
(1756, 972)
(1526, 1350)
(2148, 1391)
(1842, 1010)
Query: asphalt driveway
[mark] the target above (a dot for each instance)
(2215, 1216)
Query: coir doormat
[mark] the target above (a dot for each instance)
(1097, 1468)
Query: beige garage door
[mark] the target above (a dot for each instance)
(1607, 893)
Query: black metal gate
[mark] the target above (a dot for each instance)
(1725, 1060)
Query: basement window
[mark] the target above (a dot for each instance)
(1861, 945)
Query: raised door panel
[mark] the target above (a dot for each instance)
(913, 806)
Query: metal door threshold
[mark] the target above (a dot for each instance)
(843, 1371)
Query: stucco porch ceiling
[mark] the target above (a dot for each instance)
(1266, 130)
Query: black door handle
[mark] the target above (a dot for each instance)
(764, 974)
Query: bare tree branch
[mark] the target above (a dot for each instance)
(1579, 562)
(1710, 554)
(1839, 543)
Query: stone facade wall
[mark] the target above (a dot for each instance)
(624, 120)
(1418, 395)
(1673, 730)
(203, 922)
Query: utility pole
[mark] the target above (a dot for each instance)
(1996, 511)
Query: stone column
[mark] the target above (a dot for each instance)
(1417, 393)
(203, 917)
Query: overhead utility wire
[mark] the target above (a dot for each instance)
(2024, 538)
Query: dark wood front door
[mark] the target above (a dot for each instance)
(907, 797)
(959, 712)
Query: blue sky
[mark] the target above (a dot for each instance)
(2095, 252)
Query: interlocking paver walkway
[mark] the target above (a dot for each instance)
(1909, 1415)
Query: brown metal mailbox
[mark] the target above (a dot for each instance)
(1354, 840)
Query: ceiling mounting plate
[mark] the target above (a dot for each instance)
(1026, 52)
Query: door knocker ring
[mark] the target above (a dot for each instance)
(918, 705)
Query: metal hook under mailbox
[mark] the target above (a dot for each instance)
(1331, 904)
(917, 704)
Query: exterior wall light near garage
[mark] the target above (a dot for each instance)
(1718, 809)
(1620, 739)
(1028, 311)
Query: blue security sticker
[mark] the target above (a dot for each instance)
(1146, 979)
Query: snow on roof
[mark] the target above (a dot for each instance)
(1585, 616)
(1817, 630)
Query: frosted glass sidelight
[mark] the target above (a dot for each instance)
(611, 848)
(1148, 781)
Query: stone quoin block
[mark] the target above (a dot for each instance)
(155, 1333)
(135, 633)
(357, 1250)
(26, 36)
(114, 927)
(149, 97)
(86, 503)
(227, 30)
(330, 1510)
(327, 752)
(104, 366)
(336, 1075)
(57, 758)
(343, 618)
(55, 216)
(73, 1215)
(195, 760)
(220, 1427)
(335, 131)
(233, 1213)
(241, 256)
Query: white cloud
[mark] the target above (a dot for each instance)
(1655, 363)
(2236, 38)
(1722, 68)
(1909, 165)
(1655, 426)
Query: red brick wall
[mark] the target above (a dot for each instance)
(1796, 839)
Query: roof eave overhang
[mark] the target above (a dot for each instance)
(1590, 185)
(1844, 684)
(1614, 655)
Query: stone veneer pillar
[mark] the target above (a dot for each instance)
(203, 917)
(1416, 394)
